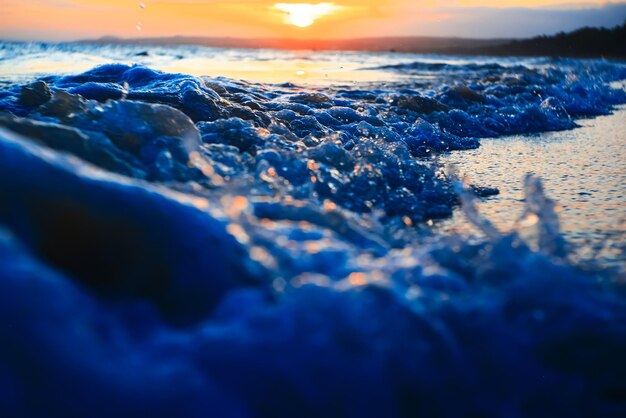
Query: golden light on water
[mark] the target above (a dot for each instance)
(304, 15)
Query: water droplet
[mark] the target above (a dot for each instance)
(142, 6)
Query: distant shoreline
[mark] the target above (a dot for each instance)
(385, 44)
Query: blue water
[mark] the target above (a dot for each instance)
(181, 245)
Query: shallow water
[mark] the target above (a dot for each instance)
(584, 170)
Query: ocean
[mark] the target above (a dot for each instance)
(189, 230)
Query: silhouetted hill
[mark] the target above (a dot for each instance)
(585, 42)
(396, 44)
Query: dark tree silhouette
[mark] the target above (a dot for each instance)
(585, 42)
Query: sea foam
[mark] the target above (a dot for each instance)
(180, 245)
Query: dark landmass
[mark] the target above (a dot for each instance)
(585, 42)
(394, 44)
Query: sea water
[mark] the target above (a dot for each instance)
(189, 230)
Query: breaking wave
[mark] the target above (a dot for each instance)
(178, 245)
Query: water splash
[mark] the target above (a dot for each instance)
(540, 211)
(468, 204)
(139, 25)
(539, 214)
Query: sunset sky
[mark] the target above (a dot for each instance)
(77, 19)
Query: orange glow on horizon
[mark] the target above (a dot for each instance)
(297, 19)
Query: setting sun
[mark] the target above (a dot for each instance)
(304, 14)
